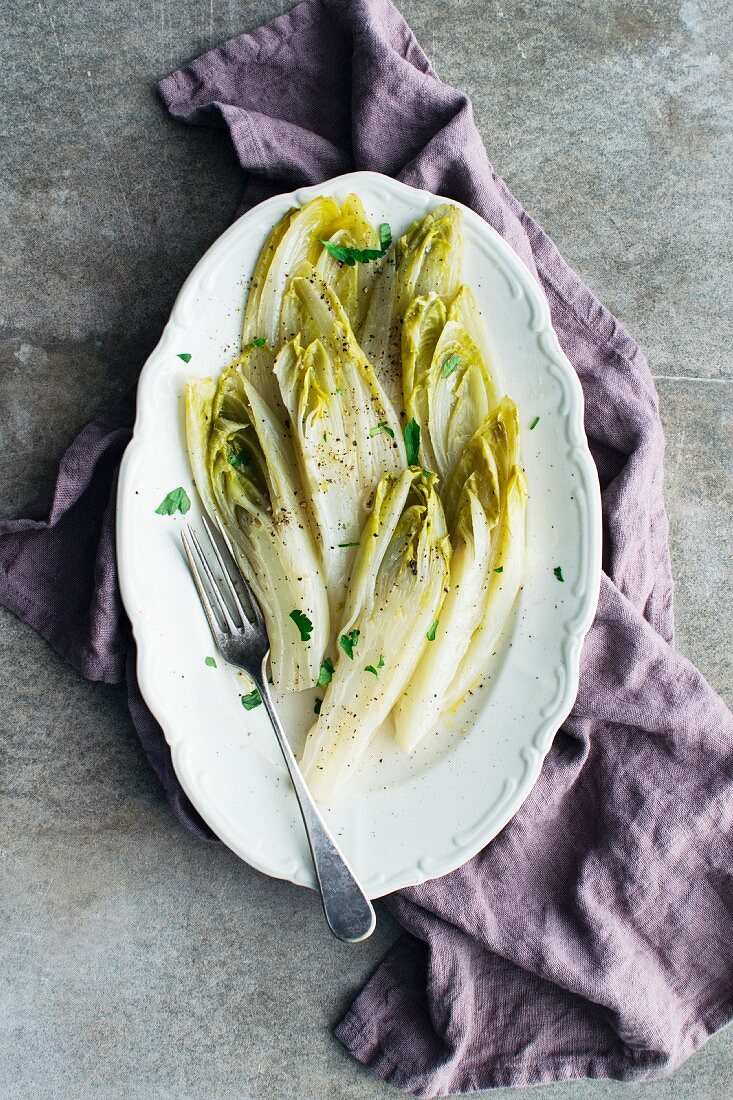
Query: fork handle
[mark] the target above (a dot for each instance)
(348, 911)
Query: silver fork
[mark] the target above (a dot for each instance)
(242, 639)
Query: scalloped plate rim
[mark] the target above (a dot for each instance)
(377, 885)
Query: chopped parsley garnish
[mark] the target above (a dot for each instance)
(326, 674)
(303, 623)
(450, 365)
(210, 662)
(345, 545)
(412, 442)
(237, 459)
(185, 356)
(345, 254)
(375, 671)
(317, 706)
(499, 569)
(431, 633)
(252, 700)
(258, 342)
(177, 500)
(534, 423)
(558, 572)
(348, 643)
(382, 426)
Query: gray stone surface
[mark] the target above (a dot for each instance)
(137, 961)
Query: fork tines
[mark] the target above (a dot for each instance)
(222, 600)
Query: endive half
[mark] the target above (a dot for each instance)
(345, 431)
(293, 242)
(395, 596)
(476, 513)
(244, 466)
(426, 259)
(448, 385)
(352, 283)
(296, 245)
(501, 432)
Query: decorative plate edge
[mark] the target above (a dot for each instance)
(498, 816)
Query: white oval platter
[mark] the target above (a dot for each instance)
(403, 819)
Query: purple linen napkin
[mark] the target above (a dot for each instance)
(594, 936)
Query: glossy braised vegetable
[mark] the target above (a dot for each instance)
(367, 473)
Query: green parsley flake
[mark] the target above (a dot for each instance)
(383, 426)
(431, 633)
(185, 356)
(450, 365)
(348, 643)
(558, 572)
(346, 545)
(317, 706)
(345, 254)
(326, 674)
(303, 623)
(499, 569)
(177, 500)
(534, 423)
(210, 662)
(412, 442)
(254, 699)
(375, 671)
(237, 459)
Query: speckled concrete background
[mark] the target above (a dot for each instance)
(136, 962)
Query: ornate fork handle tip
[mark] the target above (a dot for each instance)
(348, 911)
